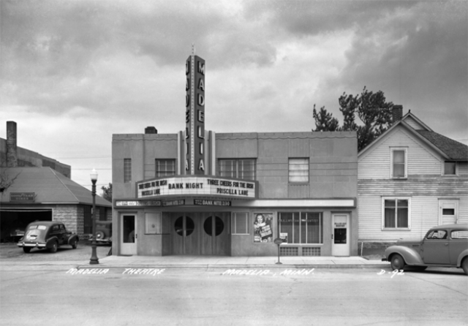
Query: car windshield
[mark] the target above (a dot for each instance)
(437, 234)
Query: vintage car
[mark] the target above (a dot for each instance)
(47, 235)
(443, 246)
(103, 232)
(17, 233)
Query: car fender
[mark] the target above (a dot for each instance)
(462, 255)
(73, 237)
(50, 240)
(411, 256)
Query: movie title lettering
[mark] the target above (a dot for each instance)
(176, 186)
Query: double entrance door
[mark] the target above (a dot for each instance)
(201, 233)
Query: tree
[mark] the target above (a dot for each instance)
(324, 121)
(372, 109)
(107, 192)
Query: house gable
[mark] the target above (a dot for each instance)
(422, 159)
(415, 123)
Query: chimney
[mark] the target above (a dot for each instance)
(151, 130)
(397, 112)
(11, 149)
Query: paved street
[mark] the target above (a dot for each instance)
(59, 293)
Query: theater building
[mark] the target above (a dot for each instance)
(201, 192)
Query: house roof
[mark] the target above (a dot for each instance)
(446, 147)
(49, 187)
(454, 150)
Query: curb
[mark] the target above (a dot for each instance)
(249, 266)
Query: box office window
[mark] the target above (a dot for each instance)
(239, 169)
(240, 223)
(302, 227)
(165, 168)
(298, 170)
(127, 169)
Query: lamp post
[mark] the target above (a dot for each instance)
(94, 259)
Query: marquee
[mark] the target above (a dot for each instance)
(197, 186)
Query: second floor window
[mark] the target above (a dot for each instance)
(165, 168)
(127, 169)
(398, 157)
(239, 169)
(298, 170)
(450, 168)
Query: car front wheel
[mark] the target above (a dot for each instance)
(54, 247)
(465, 265)
(397, 262)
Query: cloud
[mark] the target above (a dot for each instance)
(305, 18)
(70, 67)
(417, 56)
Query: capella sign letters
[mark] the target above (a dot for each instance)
(196, 186)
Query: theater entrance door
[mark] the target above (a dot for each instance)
(201, 233)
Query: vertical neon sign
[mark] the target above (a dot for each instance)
(195, 114)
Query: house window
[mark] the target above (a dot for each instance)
(165, 168)
(450, 168)
(239, 169)
(298, 170)
(102, 213)
(396, 213)
(240, 223)
(127, 169)
(398, 163)
(301, 227)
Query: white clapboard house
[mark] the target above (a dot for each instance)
(410, 179)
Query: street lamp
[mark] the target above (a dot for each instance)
(94, 259)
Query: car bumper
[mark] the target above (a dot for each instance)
(31, 245)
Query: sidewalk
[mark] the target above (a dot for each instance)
(234, 262)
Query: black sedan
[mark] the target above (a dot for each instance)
(47, 235)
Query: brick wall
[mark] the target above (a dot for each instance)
(68, 215)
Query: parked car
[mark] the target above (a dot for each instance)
(103, 232)
(443, 246)
(47, 235)
(17, 233)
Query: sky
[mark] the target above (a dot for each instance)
(75, 72)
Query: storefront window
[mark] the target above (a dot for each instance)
(301, 227)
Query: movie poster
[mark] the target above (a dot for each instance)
(263, 231)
